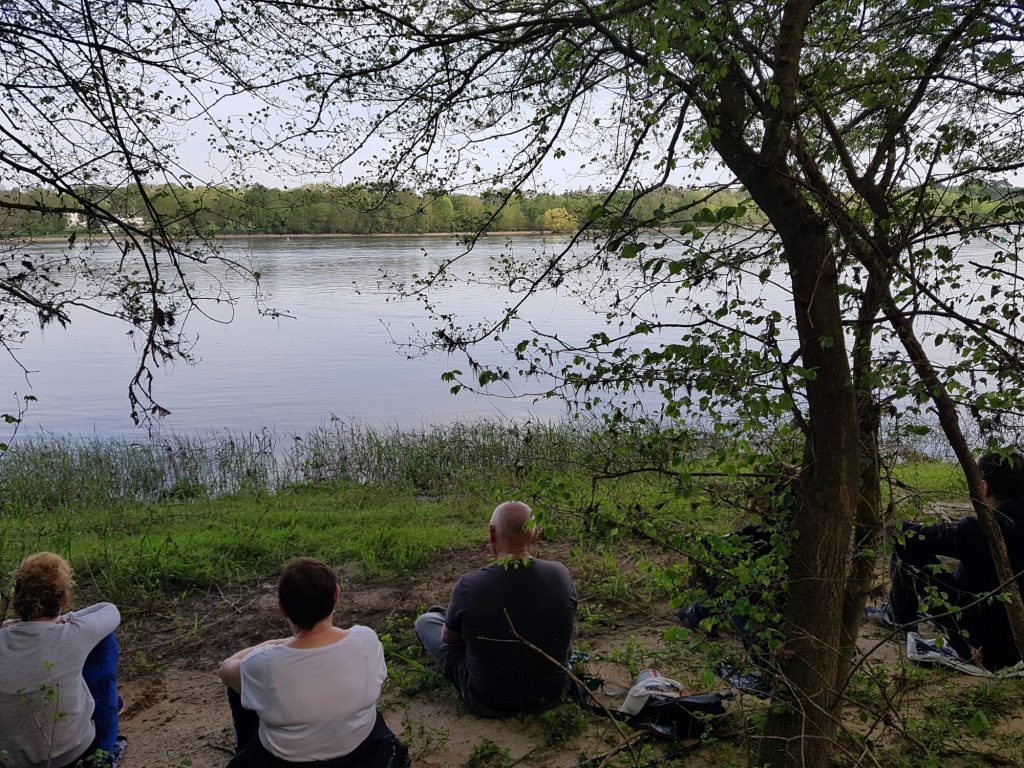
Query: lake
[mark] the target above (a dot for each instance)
(338, 355)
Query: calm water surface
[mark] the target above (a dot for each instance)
(339, 355)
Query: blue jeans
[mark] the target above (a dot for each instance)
(452, 661)
(100, 674)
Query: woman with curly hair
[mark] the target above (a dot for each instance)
(58, 687)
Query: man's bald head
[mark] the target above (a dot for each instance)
(509, 528)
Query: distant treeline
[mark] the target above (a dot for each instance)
(352, 209)
(361, 209)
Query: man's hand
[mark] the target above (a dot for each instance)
(451, 637)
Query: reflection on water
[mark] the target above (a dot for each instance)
(337, 354)
(334, 356)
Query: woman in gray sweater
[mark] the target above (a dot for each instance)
(46, 707)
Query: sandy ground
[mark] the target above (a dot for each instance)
(176, 714)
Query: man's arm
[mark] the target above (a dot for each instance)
(451, 631)
(945, 539)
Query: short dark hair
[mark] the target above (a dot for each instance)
(306, 590)
(1004, 473)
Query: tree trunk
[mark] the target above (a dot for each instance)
(802, 723)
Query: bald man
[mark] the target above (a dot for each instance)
(474, 641)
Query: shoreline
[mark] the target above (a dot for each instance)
(308, 235)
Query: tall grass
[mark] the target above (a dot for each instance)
(46, 474)
(184, 513)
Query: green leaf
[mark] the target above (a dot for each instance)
(920, 430)
(979, 724)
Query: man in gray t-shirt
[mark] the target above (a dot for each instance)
(478, 640)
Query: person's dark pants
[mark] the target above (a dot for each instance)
(452, 662)
(245, 721)
(917, 576)
(380, 749)
(100, 674)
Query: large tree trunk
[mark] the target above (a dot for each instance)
(803, 720)
(802, 724)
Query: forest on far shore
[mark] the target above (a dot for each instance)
(361, 209)
(352, 209)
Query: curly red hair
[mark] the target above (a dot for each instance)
(41, 585)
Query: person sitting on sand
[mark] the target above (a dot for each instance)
(754, 603)
(311, 698)
(58, 673)
(482, 641)
(979, 628)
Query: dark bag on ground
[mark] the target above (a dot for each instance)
(661, 704)
(681, 717)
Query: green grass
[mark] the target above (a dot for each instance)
(40, 475)
(935, 479)
(142, 519)
(146, 523)
(487, 754)
(956, 725)
(139, 520)
(172, 546)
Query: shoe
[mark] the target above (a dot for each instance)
(692, 616)
(437, 609)
(120, 745)
(880, 616)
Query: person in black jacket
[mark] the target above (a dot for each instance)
(742, 574)
(960, 599)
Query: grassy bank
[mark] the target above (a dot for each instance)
(148, 524)
(144, 518)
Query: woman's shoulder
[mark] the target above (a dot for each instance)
(362, 633)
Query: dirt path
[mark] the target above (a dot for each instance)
(179, 717)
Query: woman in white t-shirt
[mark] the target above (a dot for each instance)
(311, 698)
